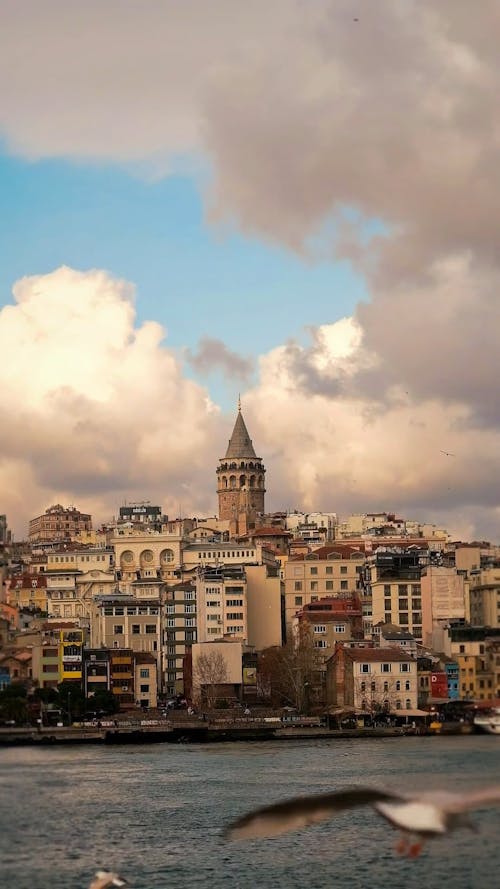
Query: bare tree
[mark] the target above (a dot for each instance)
(210, 672)
(291, 675)
(378, 695)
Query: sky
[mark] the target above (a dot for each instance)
(295, 202)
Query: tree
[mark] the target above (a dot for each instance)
(378, 694)
(103, 701)
(13, 703)
(291, 675)
(210, 671)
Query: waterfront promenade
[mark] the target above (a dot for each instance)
(189, 730)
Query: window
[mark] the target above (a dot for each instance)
(363, 686)
(190, 609)
(364, 668)
(386, 686)
(408, 704)
(298, 585)
(190, 622)
(416, 603)
(144, 673)
(344, 584)
(150, 628)
(320, 643)
(136, 629)
(398, 685)
(144, 689)
(402, 589)
(407, 685)
(314, 585)
(171, 622)
(373, 686)
(329, 584)
(403, 618)
(298, 600)
(118, 629)
(329, 569)
(313, 570)
(234, 603)
(235, 615)
(386, 668)
(387, 604)
(343, 569)
(319, 628)
(339, 628)
(404, 668)
(403, 604)
(387, 589)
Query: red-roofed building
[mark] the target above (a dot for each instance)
(333, 570)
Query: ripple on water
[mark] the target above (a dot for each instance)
(156, 814)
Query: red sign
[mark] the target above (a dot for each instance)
(439, 685)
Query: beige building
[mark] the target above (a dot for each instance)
(145, 680)
(148, 556)
(444, 595)
(221, 603)
(120, 621)
(333, 570)
(372, 680)
(27, 591)
(485, 597)
(476, 650)
(59, 523)
(221, 673)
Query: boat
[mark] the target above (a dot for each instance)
(488, 721)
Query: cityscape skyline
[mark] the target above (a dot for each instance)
(342, 274)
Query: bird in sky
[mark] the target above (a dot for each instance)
(419, 817)
(105, 879)
(447, 453)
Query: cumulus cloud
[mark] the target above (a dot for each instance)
(95, 408)
(337, 447)
(212, 354)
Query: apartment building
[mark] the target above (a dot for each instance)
(123, 622)
(330, 620)
(179, 633)
(372, 680)
(59, 523)
(444, 594)
(476, 650)
(484, 596)
(328, 571)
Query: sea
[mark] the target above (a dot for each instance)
(156, 813)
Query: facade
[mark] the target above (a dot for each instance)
(476, 650)
(221, 603)
(444, 594)
(123, 622)
(57, 653)
(148, 556)
(179, 633)
(27, 591)
(145, 680)
(59, 523)
(372, 680)
(394, 577)
(334, 570)
(240, 481)
(485, 596)
(221, 676)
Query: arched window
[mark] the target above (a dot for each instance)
(167, 555)
(386, 704)
(398, 686)
(398, 705)
(364, 704)
(242, 481)
(224, 481)
(407, 685)
(252, 481)
(147, 558)
(232, 481)
(408, 704)
(363, 686)
(127, 559)
(373, 686)
(386, 686)
(242, 465)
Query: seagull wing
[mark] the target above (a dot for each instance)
(300, 812)
(488, 797)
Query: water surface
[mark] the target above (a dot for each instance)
(156, 813)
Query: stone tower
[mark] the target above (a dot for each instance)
(240, 480)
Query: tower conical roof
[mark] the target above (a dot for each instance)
(240, 444)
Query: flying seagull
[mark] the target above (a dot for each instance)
(105, 879)
(447, 454)
(419, 817)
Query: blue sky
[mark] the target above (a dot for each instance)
(196, 279)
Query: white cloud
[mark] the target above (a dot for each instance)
(96, 409)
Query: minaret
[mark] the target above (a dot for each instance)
(240, 480)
